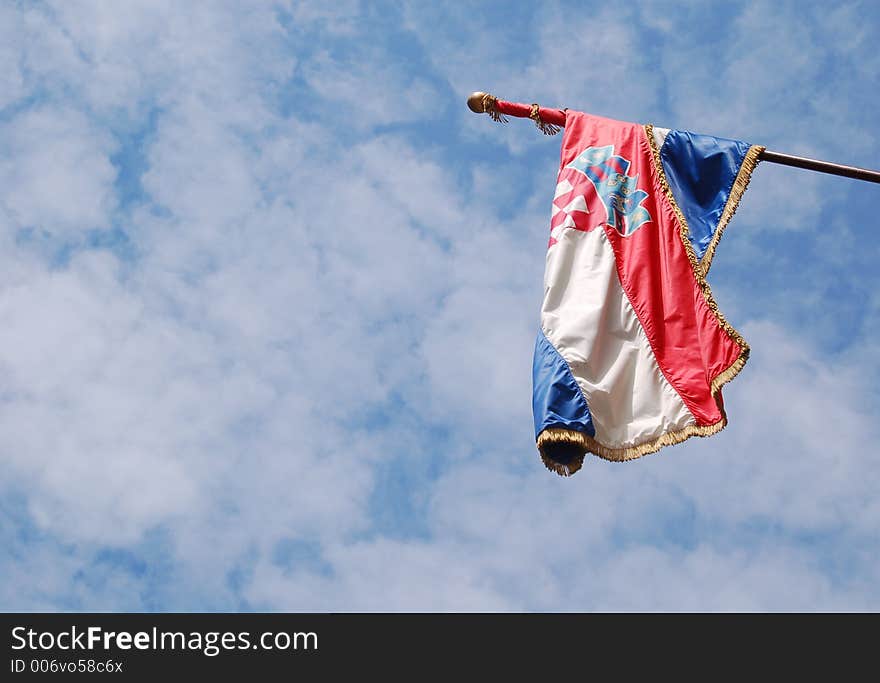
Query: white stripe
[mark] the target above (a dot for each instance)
(588, 318)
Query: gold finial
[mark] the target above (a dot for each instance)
(476, 102)
(484, 103)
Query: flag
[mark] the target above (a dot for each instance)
(633, 351)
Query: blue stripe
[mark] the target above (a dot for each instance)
(701, 170)
(557, 400)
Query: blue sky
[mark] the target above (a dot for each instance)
(269, 293)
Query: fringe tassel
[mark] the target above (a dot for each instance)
(575, 445)
(543, 126)
(725, 376)
(490, 106)
(731, 372)
(736, 192)
(563, 450)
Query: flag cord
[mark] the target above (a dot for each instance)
(549, 121)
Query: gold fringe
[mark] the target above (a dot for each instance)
(490, 106)
(562, 436)
(588, 444)
(726, 375)
(543, 126)
(736, 192)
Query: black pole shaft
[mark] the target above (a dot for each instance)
(821, 166)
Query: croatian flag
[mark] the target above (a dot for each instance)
(633, 351)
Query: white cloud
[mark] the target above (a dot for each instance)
(55, 174)
(306, 307)
(712, 524)
(393, 96)
(11, 79)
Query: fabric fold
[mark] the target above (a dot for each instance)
(627, 315)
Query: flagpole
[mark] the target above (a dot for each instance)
(549, 121)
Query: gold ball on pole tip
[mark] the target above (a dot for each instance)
(475, 102)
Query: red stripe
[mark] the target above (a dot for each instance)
(689, 343)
